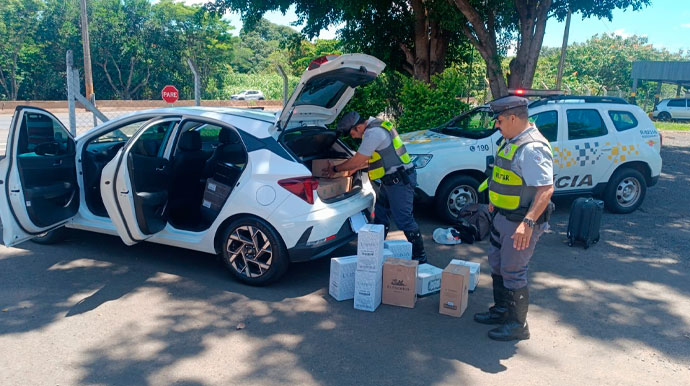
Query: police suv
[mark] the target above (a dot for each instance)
(602, 146)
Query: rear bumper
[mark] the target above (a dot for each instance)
(305, 251)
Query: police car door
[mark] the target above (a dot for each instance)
(584, 150)
(38, 176)
(547, 123)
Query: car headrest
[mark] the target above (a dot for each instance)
(190, 140)
(227, 136)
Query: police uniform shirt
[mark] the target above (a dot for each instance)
(375, 139)
(534, 162)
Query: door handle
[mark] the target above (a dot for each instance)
(160, 168)
(57, 163)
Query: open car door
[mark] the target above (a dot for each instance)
(38, 177)
(135, 183)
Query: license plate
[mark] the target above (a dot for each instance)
(357, 221)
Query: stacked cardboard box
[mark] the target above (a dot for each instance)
(428, 279)
(474, 271)
(454, 285)
(368, 275)
(401, 249)
(333, 187)
(399, 282)
(318, 165)
(342, 281)
(215, 195)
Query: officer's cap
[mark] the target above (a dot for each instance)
(346, 122)
(506, 103)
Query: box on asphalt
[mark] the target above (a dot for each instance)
(342, 279)
(399, 282)
(454, 287)
(370, 248)
(428, 279)
(474, 271)
(367, 290)
(401, 249)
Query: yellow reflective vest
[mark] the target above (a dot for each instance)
(392, 156)
(507, 189)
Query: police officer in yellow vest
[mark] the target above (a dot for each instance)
(520, 189)
(383, 152)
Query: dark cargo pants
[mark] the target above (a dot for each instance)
(506, 260)
(395, 201)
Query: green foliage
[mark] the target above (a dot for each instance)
(672, 126)
(424, 106)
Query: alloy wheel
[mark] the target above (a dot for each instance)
(249, 251)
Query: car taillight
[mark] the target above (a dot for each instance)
(302, 187)
(316, 63)
(661, 140)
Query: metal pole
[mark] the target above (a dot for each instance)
(88, 78)
(657, 94)
(70, 94)
(633, 93)
(563, 48)
(285, 84)
(197, 83)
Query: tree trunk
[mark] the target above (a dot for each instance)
(430, 45)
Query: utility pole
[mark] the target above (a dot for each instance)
(88, 79)
(559, 77)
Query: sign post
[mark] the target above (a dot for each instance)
(170, 94)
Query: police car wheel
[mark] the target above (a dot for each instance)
(51, 237)
(454, 193)
(625, 191)
(254, 252)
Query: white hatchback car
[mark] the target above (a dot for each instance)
(146, 176)
(672, 109)
(602, 146)
(248, 95)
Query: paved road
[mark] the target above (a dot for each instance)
(93, 311)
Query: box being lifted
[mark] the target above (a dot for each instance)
(318, 165)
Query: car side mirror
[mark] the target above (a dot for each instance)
(47, 148)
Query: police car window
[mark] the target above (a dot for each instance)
(474, 124)
(584, 123)
(676, 103)
(623, 120)
(547, 123)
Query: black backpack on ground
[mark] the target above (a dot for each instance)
(585, 220)
(474, 223)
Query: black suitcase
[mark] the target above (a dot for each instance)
(585, 220)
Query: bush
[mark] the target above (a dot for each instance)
(425, 106)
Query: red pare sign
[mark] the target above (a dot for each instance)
(170, 94)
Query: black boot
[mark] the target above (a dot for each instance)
(499, 312)
(515, 327)
(418, 252)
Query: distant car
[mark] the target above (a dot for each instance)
(601, 145)
(672, 109)
(154, 176)
(248, 95)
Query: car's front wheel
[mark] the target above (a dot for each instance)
(454, 193)
(254, 252)
(625, 191)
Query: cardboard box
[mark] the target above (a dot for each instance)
(333, 187)
(370, 248)
(399, 282)
(215, 194)
(367, 290)
(342, 279)
(474, 271)
(401, 249)
(428, 279)
(454, 285)
(318, 165)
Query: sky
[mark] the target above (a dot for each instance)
(666, 23)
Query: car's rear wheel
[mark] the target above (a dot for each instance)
(664, 116)
(51, 237)
(625, 191)
(454, 193)
(254, 252)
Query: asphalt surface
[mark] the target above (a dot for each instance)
(92, 311)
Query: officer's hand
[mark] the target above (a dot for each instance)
(491, 208)
(328, 170)
(522, 236)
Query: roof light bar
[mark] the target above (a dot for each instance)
(533, 92)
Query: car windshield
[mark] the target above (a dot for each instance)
(474, 124)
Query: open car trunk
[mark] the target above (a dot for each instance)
(314, 146)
